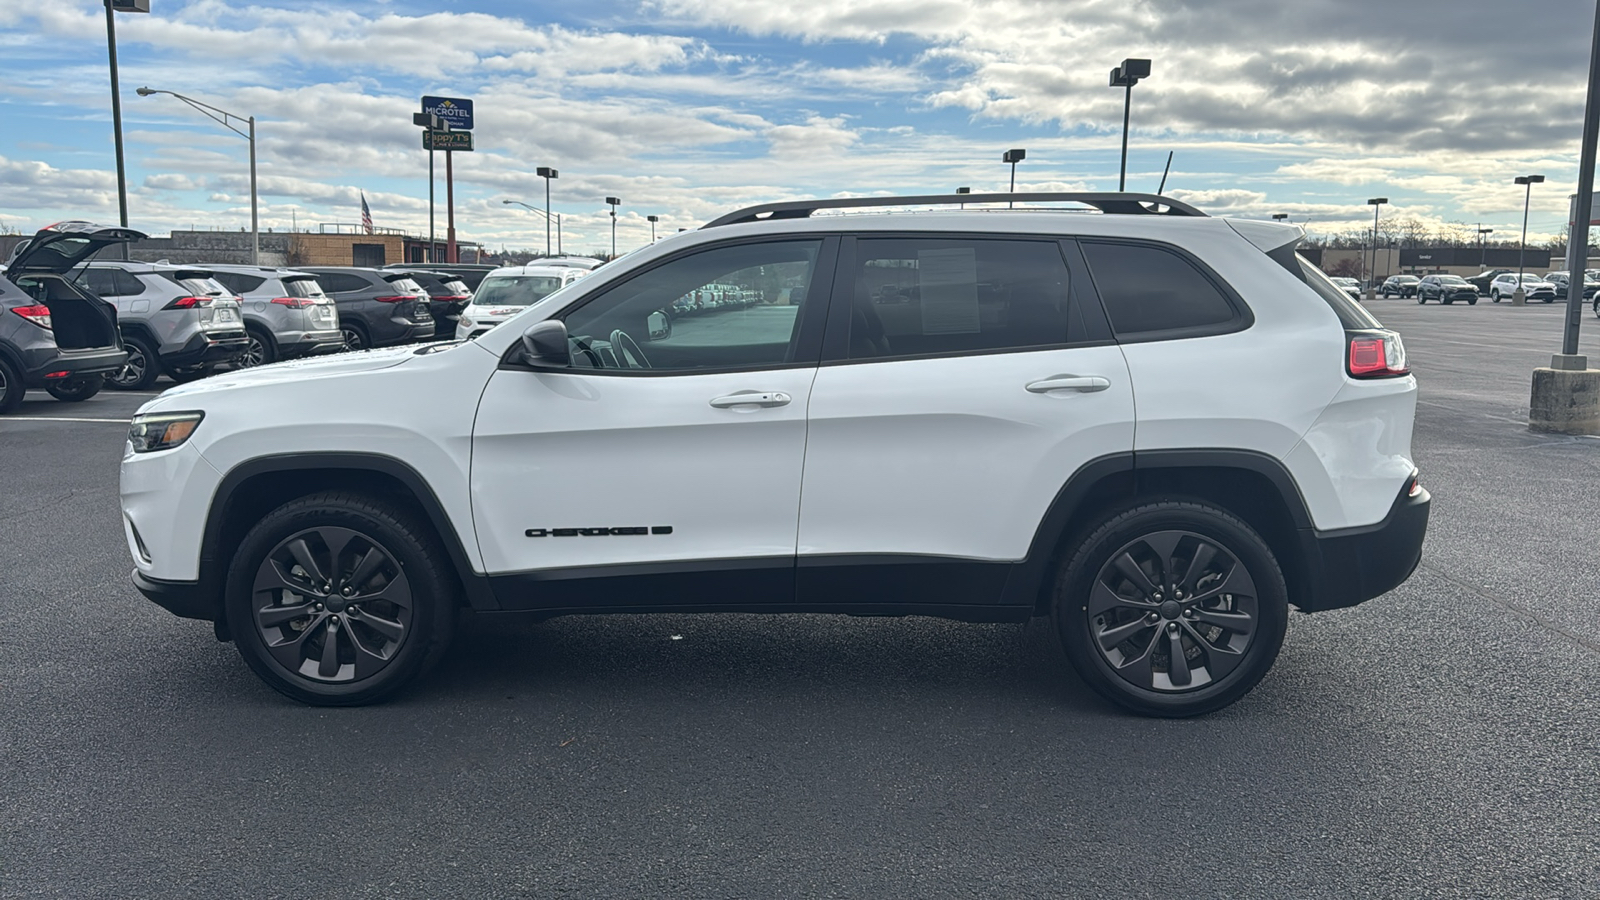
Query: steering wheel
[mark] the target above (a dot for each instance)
(627, 351)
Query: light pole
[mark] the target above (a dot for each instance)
(1013, 157)
(1528, 181)
(547, 174)
(1126, 76)
(1483, 247)
(223, 117)
(115, 6)
(652, 220)
(614, 204)
(1372, 273)
(547, 217)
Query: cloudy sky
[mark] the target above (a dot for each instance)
(688, 108)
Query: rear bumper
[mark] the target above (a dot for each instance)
(212, 347)
(98, 361)
(181, 598)
(310, 343)
(1354, 565)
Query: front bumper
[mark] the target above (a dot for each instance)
(181, 598)
(1354, 565)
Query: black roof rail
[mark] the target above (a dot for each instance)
(1119, 203)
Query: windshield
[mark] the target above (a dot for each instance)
(515, 290)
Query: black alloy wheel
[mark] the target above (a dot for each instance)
(1421, 298)
(354, 338)
(12, 387)
(76, 389)
(141, 369)
(337, 599)
(1172, 608)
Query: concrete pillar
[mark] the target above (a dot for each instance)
(1566, 397)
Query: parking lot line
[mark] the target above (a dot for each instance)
(60, 419)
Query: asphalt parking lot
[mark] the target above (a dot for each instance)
(1442, 741)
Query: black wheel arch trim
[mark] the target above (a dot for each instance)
(213, 569)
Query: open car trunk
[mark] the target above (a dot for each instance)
(78, 321)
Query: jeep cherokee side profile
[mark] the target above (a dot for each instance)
(1158, 428)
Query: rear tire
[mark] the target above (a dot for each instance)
(259, 348)
(1128, 585)
(340, 567)
(355, 337)
(141, 369)
(75, 390)
(12, 387)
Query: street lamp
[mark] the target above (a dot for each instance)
(1527, 194)
(614, 204)
(223, 117)
(116, 6)
(1126, 76)
(546, 223)
(1013, 157)
(652, 220)
(1372, 288)
(1483, 248)
(547, 174)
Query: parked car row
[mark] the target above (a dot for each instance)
(71, 323)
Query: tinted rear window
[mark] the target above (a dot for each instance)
(199, 287)
(403, 283)
(302, 287)
(239, 283)
(1149, 290)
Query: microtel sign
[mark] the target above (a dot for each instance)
(455, 110)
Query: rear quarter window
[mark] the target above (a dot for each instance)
(1152, 292)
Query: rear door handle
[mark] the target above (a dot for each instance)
(763, 399)
(1084, 384)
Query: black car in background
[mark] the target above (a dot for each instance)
(471, 274)
(377, 307)
(1560, 279)
(1446, 289)
(448, 295)
(1399, 286)
(55, 334)
(1482, 279)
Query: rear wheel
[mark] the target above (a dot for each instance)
(12, 388)
(354, 337)
(141, 369)
(72, 390)
(337, 599)
(1171, 608)
(259, 348)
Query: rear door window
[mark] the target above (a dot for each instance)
(239, 283)
(1152, 292)
(920, 296)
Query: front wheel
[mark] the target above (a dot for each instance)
(1171, 608)
(73, 390)
(1421, 299)
(1472, 301)
(1495, 296)
(338, 599)
(1549, 299)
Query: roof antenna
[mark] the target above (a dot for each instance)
(1164, 172)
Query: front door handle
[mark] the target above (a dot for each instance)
(762, 399)
(1085, 384)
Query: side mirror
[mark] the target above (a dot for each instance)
(658, 325)
(545, 344)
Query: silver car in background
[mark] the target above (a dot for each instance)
(286, 314)
(174, 320)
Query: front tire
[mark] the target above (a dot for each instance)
(75, 390)
(1171, 608)
(1472, 301)
(337, 599)
(1495, 295)
(1421, 299)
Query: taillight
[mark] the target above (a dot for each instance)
(37, 314)
(1376, 354)
(188, 302)
(401, 298)
(455, 297)
(1414, 487)
(294, 302)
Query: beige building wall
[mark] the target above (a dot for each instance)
(338, 249)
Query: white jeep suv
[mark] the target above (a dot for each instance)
(1160, 429)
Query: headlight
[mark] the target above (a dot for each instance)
(162, 431)
(467, 321)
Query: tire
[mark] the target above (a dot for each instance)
(141, 369)
(1596, 307)
(1549, 299)
(355, 337)
(259, 348)
(1089, 604)
(1421, 299)
(186, 374)
(411, 568)
(1446, 301)
(1495, 295)
(12, 387)
(1472, 301)
(75, 390)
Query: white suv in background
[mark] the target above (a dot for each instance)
(923, 413)
(507, 291)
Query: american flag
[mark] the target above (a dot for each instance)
(366, 214)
